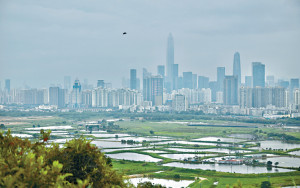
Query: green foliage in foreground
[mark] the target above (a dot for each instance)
(78, 164)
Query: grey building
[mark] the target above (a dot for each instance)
(170, 63)
(100, 83)
(7, 85)
(248, 81)
(220, 78)
(161, 70)
(258, 74)
(230, 92)
(188, 80)
(237, 67)
(203, 82)
(133, 80)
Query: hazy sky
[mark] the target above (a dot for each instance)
(42, 41)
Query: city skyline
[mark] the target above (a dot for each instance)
(65, 38)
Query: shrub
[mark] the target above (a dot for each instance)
(78, 164)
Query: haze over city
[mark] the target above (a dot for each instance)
(41, 42)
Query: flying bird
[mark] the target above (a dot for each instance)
(124, 33)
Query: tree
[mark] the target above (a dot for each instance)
(77, 164)
(265, 184)
(151, 132)
(276, 164)
(269, 163)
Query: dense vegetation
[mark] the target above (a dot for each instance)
(154, 116)
(77, 164)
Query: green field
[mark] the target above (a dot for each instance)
(177, 130)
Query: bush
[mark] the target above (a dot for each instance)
(265, 184)
(78, 164)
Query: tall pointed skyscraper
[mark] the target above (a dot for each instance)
(237, 67)
(170, 63)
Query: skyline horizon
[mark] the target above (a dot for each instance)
(41, 42)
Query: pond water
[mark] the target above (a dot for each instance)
(104, 144)
(106, 135)
(284, 161)
(224, 150)
(139, 139)
(186, 150)
(295, 153)
(163, 182)
(60, 140)
(186, 142)
(184, 156)
(243, 169)
(242, 136)
(119, 149)
(215, 139)
(277, 144)
(51, 127)
(22, 135)
(133, 157)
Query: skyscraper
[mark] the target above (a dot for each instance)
(270, 81)
(175, 77)
(294, 84)
(194, 81)
(161, 70)
(187, 80)
(153, 89)
(248, 81)
(220, 78)
(133, 79)
(170, 62)
(237, 67)
(100, 83)
(202, 82)
(57, 96)
(67, 82)
(76, 95)
(230, 93)
(7, 85)
(258, 74)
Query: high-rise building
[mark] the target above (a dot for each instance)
(133, 80)
(296, 99)
(194, 81)
(170, 63)
(187, 80)
(230, 92)
(100, 83)
(67, 82)
(175, 77)
(283, 83)
(248, 81)
(260, 97)
(153, 89)
(237, 67)
(161, 70)
(57, 96)
(220, 78)
(213, 85)
(7, 85)
(294, 84)
(203, 82)
(76, 95)
(179, 103)
(258, 74)
(270, 81)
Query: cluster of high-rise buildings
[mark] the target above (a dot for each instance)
(167, 90)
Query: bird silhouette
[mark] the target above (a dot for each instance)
(124, 33)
